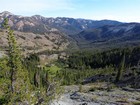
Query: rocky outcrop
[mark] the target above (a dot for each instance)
(115, 96)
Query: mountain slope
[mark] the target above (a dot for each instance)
(32, 32)
(84, 33)
(127, 34)
(30, 41)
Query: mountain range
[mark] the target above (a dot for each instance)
(40, 24)
(84, 33)
(112, 36)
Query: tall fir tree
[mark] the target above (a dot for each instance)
(20, 84)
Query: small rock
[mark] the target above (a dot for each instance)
(83, 104)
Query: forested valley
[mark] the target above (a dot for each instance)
(25, 80)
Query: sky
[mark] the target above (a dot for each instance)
(121, 10)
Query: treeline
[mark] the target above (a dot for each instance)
(113, 65)
(87, 60)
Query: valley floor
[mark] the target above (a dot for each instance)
(98, 94)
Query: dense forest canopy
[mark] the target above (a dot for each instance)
(93, 59)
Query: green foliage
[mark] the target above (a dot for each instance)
(121, 69)
(43, 78)
(19, 81)
(31, 63)
(89, 59)
(76, 76)
(136, 103)
(24, 81)
(84, 64)
(52, 70)
(4, 81)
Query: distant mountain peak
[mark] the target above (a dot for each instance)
(6, 13)
(37, 16)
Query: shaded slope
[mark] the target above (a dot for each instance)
(109, 36)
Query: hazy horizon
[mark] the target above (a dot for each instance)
(119, 10)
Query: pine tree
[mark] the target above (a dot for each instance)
(121, 69)
(20, 85)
